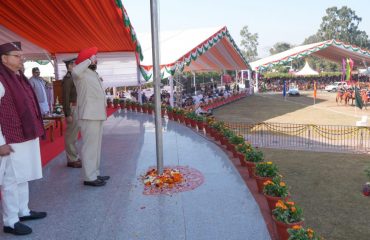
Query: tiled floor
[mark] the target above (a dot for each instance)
(222, 208)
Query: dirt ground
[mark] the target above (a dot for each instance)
(326, 185)
(272, 107)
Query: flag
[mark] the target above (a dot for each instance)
(349, 67)
(284, 89)
(314, 89)
(358, 99)
(344, 64)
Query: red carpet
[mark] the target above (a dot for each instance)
(50, 150)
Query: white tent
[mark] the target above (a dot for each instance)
(306, 70)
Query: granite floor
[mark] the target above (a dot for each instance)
(221, 208)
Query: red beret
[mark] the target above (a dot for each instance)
(11, 46)
(86, 54)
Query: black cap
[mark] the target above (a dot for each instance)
(11, 46)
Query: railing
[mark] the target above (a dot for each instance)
(312, 137)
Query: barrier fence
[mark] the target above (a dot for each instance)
(305, 136)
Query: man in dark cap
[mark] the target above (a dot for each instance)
(70, 112)
(20, 128)
(91, 115)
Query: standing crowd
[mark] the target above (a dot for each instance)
(23, 102)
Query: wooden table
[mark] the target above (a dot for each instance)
(58, 119)
(49, 124)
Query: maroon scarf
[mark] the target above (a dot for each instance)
(20, 101)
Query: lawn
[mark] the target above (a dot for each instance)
(326, 185)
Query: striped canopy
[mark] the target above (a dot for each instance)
(210, 49)
(331, 50)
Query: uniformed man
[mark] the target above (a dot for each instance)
(70, 112)
(20, 128)
(92, 113)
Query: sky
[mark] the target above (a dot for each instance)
(275, 21)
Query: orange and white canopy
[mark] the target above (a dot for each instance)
(48, 29)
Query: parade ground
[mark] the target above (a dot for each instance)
(273, 107)
(328, 186)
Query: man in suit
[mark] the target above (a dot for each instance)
(91, 105)
(20, 128)
(70, 112)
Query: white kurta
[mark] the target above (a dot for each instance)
(26, 158)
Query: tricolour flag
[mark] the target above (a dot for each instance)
(284, 89)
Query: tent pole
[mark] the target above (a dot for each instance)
(157, 81)
(195, 86)
(170, 79)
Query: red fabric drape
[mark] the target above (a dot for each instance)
(63, 26)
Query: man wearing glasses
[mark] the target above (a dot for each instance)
(20, 128)
(38, 85)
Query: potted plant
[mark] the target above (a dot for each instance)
(366, 188)
(252, 156)
(109, 103)
(115, 102)
(236, 140)
(145, 107)
(128, 104)
(297, 232)
(286, 215)
(122, 103)
(150, 108)
(200, 122)
(169, 110)
(264, 171)
(274, 191)
(163, 110)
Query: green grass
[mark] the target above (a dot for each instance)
(326, 185)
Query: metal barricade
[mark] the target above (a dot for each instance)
(331, 138)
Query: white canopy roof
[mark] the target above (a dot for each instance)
(206, 49)
(331, 49)
(306, 70)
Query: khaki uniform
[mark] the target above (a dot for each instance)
(91, 115)
(70, 109)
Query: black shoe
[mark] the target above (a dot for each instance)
(103, 178)
(33, 216)
(19, 229)
(95, 183)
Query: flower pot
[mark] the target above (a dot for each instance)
(182, 118)
(282, 228)
(115, 105)
(271, 201)
(223, 140)
(109, 105)
(150, 111)
(241, 157)
(187, 121)
(251, 166)
(170, 115)
(175, 117)
(193, 123)
(145, 109)
(235, 153)
(260, 181)
(122, 105)
(229, 146)
(200, 126)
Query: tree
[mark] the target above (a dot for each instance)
(342, 24)
(280, 47)
(249, 44)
